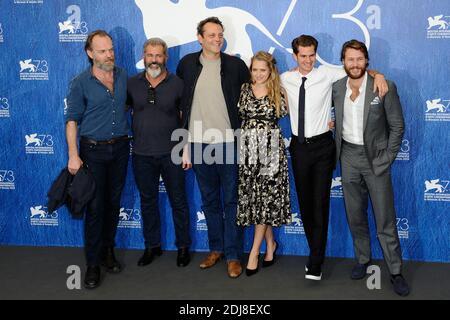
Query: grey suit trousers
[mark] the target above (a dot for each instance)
(358, 181)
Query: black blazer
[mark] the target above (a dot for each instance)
(73, 191)
(233, 73)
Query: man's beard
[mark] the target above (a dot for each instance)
(105, 66)
(155, 73)
(360, 75)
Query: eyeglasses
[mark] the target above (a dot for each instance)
(151, 97)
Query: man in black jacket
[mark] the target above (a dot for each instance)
(212, 87)
(154, 95)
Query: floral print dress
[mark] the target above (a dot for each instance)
(263, 169)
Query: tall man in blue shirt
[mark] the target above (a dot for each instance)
(96, 109)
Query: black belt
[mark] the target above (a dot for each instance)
(110, 141)
(324, 136)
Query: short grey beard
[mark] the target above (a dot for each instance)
(105, 67)
(154, 73)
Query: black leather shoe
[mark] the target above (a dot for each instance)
(314, 273)
(183, 257)
(149, 255)
(265, 263)
(250, 272)
(400, 286)
(109, 261)
(92, 277)
(359, 271)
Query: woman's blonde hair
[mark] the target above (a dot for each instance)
(273, 82)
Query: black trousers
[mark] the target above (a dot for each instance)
(313, 165)
(108, 164)
(147, 170)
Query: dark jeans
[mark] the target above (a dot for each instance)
(147, 170)
(313, 171)
(108, 164)
(224, 235)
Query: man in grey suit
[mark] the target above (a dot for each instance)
(369, 132)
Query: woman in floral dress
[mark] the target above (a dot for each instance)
(263, 170)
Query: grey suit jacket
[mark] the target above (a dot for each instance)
(383, 124)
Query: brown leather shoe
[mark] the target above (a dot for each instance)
(234, 269)
(212, 258)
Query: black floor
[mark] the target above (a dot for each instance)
(40, 273)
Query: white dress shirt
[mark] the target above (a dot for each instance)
(352, 125)
(318, 89)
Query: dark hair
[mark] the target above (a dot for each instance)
(88, 43)
(357, 45)
(202, 23)
(304, 41)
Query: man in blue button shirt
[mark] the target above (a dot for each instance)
(96, 108)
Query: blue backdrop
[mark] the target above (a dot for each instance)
(41, 50)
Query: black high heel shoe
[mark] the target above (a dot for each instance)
(265, 263)
(250, 272)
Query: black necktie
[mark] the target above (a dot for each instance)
(301, 112)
